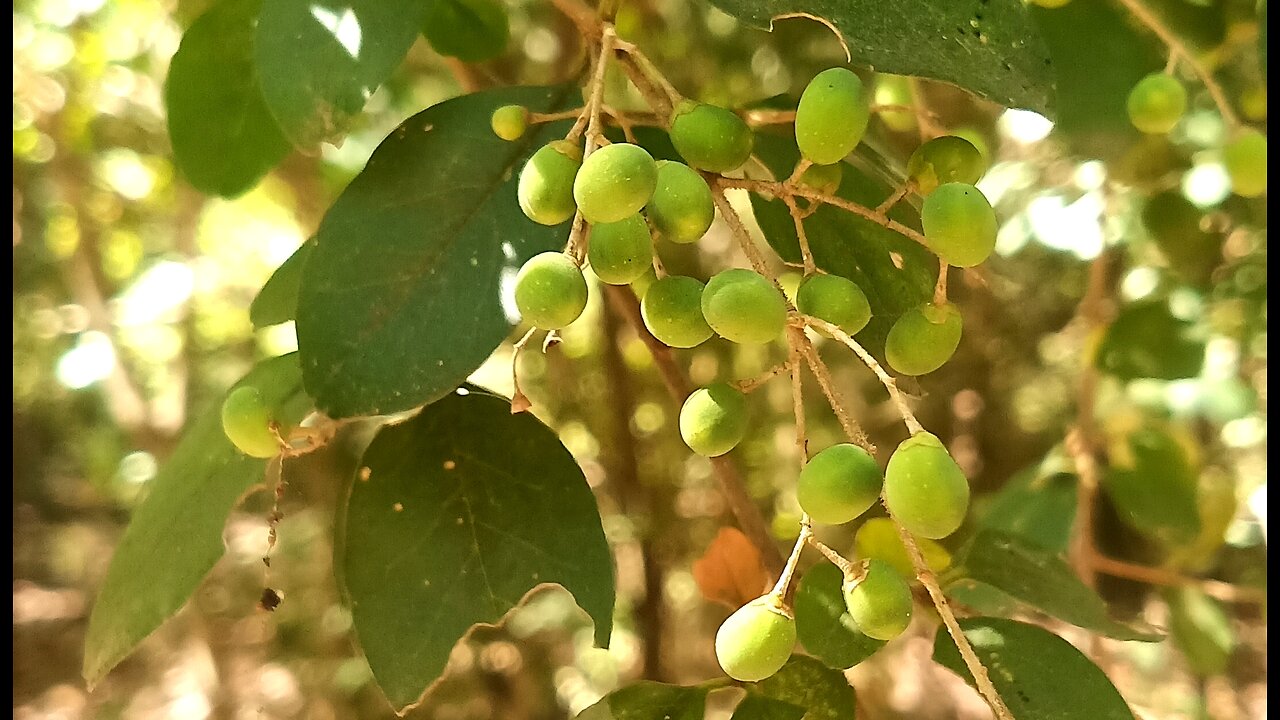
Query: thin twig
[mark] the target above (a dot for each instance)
(806, 254)
(823, 375)
(893, 199)
(519, 401)
(886, 379)
(1159, 576)
(752, 384)
(840, 561)
(940, 288)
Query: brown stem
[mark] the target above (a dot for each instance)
(940, 289)
(1158, 576)
(867, 359)
(806, 254)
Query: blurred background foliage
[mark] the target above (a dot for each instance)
(131, 292)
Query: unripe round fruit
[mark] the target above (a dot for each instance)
(672, 311)
(614, 182)
(743, 306)
(246, 420)
(923, 339)
(832, 116)
(880, 604)
(895, 90)
(1245, 158)
(945, 159)
(823, 178)
(756, 640)
(959, 224)
(1156, 103)
(545, 189)
(682, 207)
(924, 488)
(838, 484)
(878, 538)
(713, 420)
(550, 291)
(620, 252)
(1050, 4)
(710, 138)
(509, 122)
(835, 299)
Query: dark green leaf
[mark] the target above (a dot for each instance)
(401, 299)
(1153, 486)
(320, 60)
(758, 707)
(224, 137)
(1039, 507)
(803, 681)
(1145, 341)
(851, 246)
(455, 516)
(1040, 579)
(277, 301)
(470, 30)
(646, 700)
(175, 535)
(1039, 675)
(1201, 630)
(823, 624)
(991, 48)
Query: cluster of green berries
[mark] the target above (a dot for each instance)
(924, 490)
(1156, 104)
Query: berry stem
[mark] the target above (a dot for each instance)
(783, 587)
(940, 289)
(840, 561)
(753, 384)
(823, 375)
(519, 401)
(1177, 47)
(893, 199)
(806, 253)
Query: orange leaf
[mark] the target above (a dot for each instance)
(730, 571)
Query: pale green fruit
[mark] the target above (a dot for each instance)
(510, 122)
(836, 300)
(614, 182)
(1245, 158)
(246, 420)
(710, 138)
(756, 640)
(713, 420)
(880, 603)
(959, 224)
(672, 311)
(895, 90)
(550, 291)
(923, 339)
(1156, 103)
(682, 207)
(620, 252)
(832, 116)
(838, 484)
(545, 189)
(743, 306)
(823, 178)
(878, 538)
(946, 159)
(924, 488)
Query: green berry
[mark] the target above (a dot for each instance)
(924, 488)
(470, 30)
(550, 291)
(756, 640)
(1156, 103)
(620, 252)
(835, 299)
(672, 311)
(743, 306)
(880, 602)
(959, 224)
(838, 484)
(545, 189)
(823, 178)
(614, 182)
(509, 122)
(923, 339)
(832, 116)
(946, 159)
(246, 420)
(710, 138)
(895, 90)
(1245, 158)
(713, 419)
(878, 538)
(681, 208)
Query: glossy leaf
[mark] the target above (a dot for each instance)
(175, 535)
(647, 700)
(1041, 579)
(758, 707)
(402, 297)
(224, 137)
(992, 49)
(1153, 485)
(1145, 340)
(320, 60)
(805, 682)
(1039, 675)
(1201, 629)
(277, 301)
(470, 30)
(823, 624)
(453, 517)
(1038, 507)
